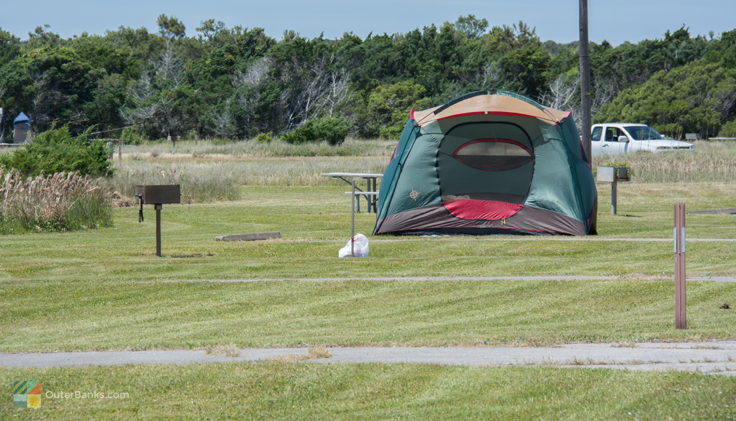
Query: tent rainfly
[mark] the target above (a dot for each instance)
(488, 163)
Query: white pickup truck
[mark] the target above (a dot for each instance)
(621, 138)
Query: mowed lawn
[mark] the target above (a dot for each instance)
(309, 391)
(104, 289)
(130, 315)
(314, 222)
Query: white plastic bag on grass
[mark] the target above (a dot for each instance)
(360, 247)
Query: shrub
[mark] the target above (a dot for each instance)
(55, 151)
(60, 202)
(728, 129)
(332, 130)
(132, 135)
(264, 137)
(673, 130)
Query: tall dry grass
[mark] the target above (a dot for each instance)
(211, 170)
(709, 162)
(252, 148)
(60, 202)
(207, 180)
(199, 182)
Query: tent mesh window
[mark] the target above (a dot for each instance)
(472, 166)
(493, 154)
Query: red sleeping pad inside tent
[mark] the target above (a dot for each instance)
(482, 209)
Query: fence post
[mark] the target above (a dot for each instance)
(680, 293)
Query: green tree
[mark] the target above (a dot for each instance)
(723, 49)
(10, 47)
(389, 106)
(171, 27)
(698, 97)
(61, 83)
(524, 70)
(471, 26)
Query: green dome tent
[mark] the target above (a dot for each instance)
(488, 163)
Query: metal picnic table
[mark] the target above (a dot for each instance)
(370, 193)
(371, 187)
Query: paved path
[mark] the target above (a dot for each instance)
(542, 238)
(590, 238)
(717, 357)
(445, 279)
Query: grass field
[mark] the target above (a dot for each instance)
(130, 315)
(272, 390)
(111, 292)
(105, 289)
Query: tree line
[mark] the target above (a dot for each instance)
(236, 82)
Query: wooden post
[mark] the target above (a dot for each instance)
(120, 149)
(680, 293)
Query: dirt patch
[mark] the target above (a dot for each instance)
(230, 350)
(312, 353)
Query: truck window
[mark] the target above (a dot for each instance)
(596, 136)
(612, 134)
(643, 133)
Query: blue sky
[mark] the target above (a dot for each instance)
(613, 20)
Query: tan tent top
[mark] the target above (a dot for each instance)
(489, 104)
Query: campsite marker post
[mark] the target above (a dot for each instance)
(680, 293)
(614, 197)
(608, 175)
(613, 175)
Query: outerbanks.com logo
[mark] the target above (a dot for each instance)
(27, 394)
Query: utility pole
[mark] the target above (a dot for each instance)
(585, 79)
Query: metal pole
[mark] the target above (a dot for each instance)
(352, 220)
(369, 188)
(613, 196)
(680, 293)
(585, 79)
(373, 199)
(158, 207)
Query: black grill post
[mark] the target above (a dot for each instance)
(157, 195)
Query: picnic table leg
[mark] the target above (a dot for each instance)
(369, 198)
(374, 199)
(352, 223)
